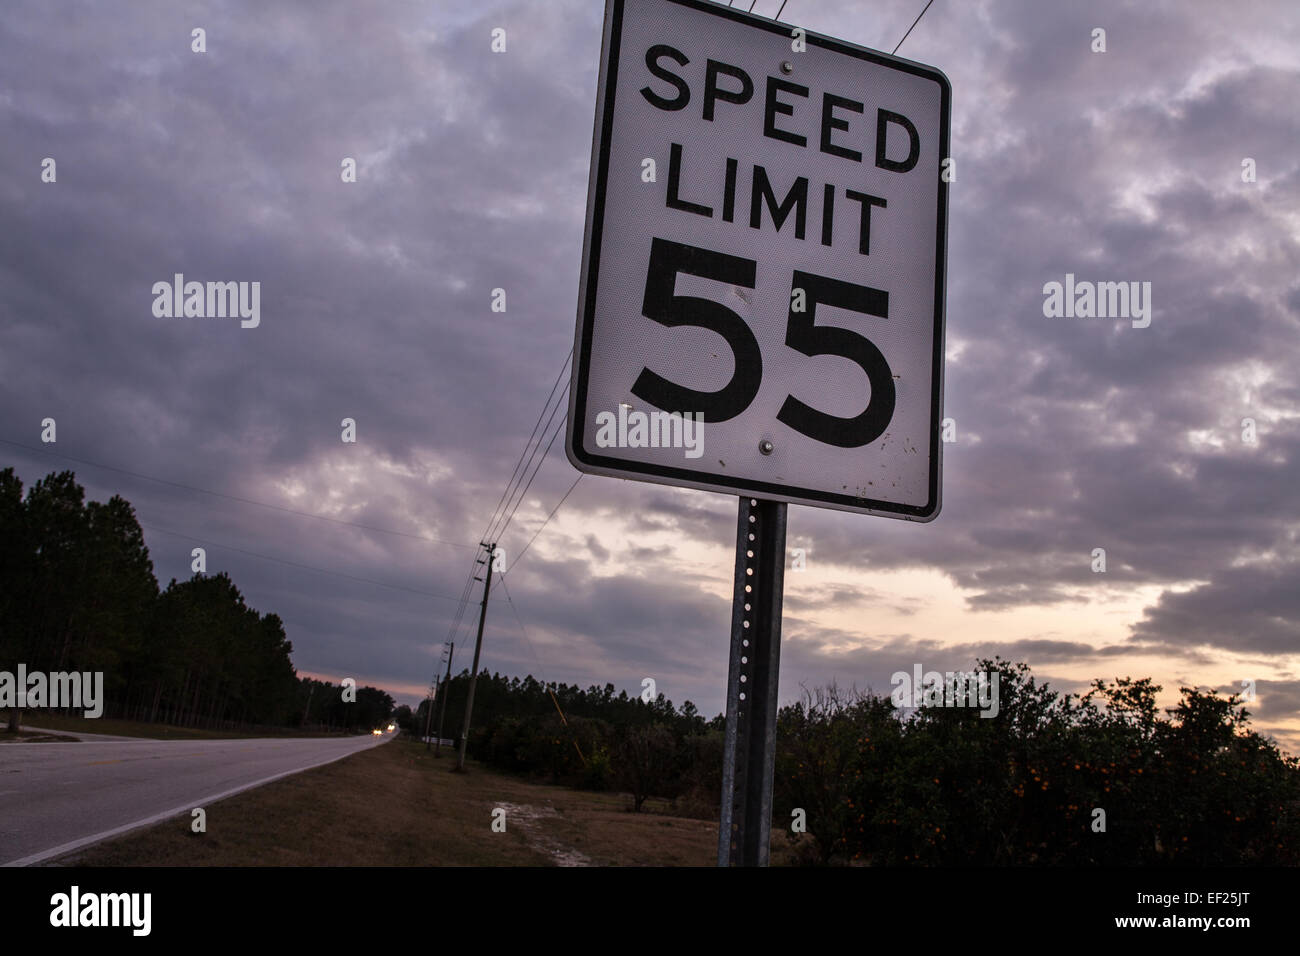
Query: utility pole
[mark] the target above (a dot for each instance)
(428, 714)
(442, 694)
(433, 697)
(478, 646)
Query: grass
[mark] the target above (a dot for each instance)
(34, 737)
(395, 805)
(137, 728)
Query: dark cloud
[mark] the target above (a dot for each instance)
(1247, 608)
(597, 551)
(1274, 700)
(1072, 434)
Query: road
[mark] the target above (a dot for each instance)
(58, 797)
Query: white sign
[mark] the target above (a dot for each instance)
(762, 302)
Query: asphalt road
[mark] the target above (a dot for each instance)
(58, 797)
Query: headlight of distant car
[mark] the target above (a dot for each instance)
(377, 733)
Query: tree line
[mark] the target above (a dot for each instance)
(78, 593)
(1100, 778)
(589, 738)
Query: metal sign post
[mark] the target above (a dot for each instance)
(749, 750)
(761, 305)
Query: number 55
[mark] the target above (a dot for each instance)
(803, 335)
(667, 259)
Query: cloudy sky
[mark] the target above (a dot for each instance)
(1071, 434)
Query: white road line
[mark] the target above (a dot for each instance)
(176, 811)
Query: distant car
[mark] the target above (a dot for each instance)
(377, 733)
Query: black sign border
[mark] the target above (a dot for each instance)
(578, 456)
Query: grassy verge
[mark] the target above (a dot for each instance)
(395, 805)
(34, 737)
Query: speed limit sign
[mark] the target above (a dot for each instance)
(761, 308)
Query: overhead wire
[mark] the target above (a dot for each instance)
(485, 537)
(544, 523)
(909, 29)
(541, 670)
(501, 518)
(510, 517)
(527, 444)
(521, 488)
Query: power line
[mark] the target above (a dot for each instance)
(545, 405)
(523, 630)
(541, 671)
(295, 564)
(248, 501)
(544, 524)
(507, 498)
(909, 29)
(497, 511)
(469, 578)
(512, 501)
(554, 435)
(532, 650)
(521, 489)
(453, 633)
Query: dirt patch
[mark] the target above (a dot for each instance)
(532, 820)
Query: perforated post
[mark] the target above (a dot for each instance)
(749, 752)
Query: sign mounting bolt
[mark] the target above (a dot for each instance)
(787, 67)
(765, 447)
